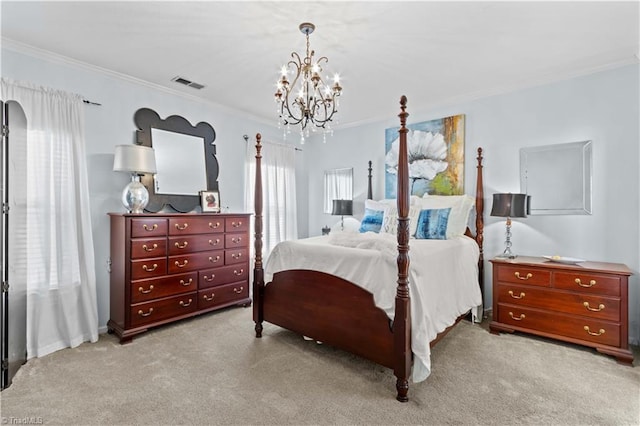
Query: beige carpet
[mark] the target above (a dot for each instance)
(211, 370)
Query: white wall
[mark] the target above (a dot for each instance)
(112, 124)
(602, 107)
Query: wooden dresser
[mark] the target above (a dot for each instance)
(166, 267)
(586, 303)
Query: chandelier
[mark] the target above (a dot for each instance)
(307, 100)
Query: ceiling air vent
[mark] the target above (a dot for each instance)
(186, 82)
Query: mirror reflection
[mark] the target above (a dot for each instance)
(557, 177)
(185, 177)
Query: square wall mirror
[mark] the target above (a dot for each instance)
(558, 178)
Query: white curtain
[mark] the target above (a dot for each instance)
(278, 192)
(338, 185)
(61, 284)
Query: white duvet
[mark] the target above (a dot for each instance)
(443, 277)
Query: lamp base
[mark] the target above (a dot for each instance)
(507, 256)
(135, 196)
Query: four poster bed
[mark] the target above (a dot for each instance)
(369, 318)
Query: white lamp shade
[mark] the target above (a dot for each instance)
(134, 158)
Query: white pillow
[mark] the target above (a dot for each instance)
(378, 205)
(460, 205)
(390, 220)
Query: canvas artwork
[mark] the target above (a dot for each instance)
(436, 157)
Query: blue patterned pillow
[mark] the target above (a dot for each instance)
(372, 220)
(432, 224)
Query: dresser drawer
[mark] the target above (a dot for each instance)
(148, 268)
(600, 307)
(587, 329)
(148, 227)
(195, 243)
(235, 240)
(223, 275)
(588, 283)
(236, 224)
(524, 275)
(195, 225)
(193, 262)
(215, 296)
(145, 290)
(148, 247)
(156, 310)
(232, 256)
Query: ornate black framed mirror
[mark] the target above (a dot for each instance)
(186, 160)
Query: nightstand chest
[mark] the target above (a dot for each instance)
(586, 303)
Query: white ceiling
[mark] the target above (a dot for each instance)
(434, 52)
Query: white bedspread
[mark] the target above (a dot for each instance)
(443, 277)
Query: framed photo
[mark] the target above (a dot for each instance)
(210, 201)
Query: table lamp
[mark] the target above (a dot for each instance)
(137, 160)
(509, 205)
(342, 208)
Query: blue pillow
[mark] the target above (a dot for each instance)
(372, 220)
(432, 224)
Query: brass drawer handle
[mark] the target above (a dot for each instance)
(207, 279)
(235, 290)
(236, 273)
(211, 243)
(143, 291)
(188, 283)
(236, 240)
(516, 297)
(529, 275)
(150, 228)
(146, 268)
(236, 255)
(598, 309)
(236, 225)
(179, 265)
(212, 226)
(142, 314)
(516, 319)
(147, 249)
(183, 227)
(599, 333)
(209, 298)
(181, 246)
(591, 283)
(214, 259)
(186, 304)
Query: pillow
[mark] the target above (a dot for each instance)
(372, 220)
(432, 224)
(390, 220)
(460, 205)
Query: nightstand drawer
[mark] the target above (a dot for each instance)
(524, 275)
(588, 283)
(591, 330)
(605, 308)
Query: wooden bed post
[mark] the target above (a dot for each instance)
(369, 186)
(480, 222)
(402, 319)
(258, 271)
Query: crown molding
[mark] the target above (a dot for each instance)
(49, 56)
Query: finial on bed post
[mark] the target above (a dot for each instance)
(369, 186)
(402, 318)
(258, 271)
(480, 221)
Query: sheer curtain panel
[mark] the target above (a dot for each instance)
(61, 283)
(278, 192)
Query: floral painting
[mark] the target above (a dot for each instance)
(436, 157)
